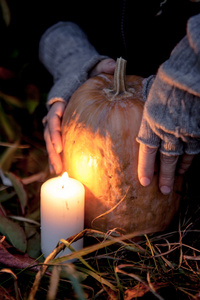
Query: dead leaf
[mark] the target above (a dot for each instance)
(14, 233)
(12, 100)
(5, 12)
(112, 295)
(139, 290)
(6, 126)
(14, 259)
(142, 287)
(33, 246)
(19, 188)
(8, 156)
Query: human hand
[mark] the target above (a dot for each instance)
(170, 124)
(104, 66)
(52, 136)
(167, 169)
(52, 121)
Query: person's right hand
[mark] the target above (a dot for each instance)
(104, 66)
(52, 136)
(52, 121)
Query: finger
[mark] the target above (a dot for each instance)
(167, 172)
(54, 116)
(105, 66)
(146, 164)
(185, 163)
(55, 133)
(55, 161)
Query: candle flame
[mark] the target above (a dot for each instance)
(64, 179)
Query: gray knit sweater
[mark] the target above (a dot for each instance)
(171, 117)
(65, 51)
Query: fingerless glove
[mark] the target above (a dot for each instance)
(66, 52)
(171, 116)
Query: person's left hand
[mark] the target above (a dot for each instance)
(167, 169)
(171, 125)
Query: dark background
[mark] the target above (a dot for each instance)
(149, 38)
(143, 32)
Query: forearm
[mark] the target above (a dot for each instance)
(68, 55)
(182, 70)
(171, 113)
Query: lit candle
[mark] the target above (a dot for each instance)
(62, 212)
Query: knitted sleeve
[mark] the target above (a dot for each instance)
(171, 116)
(67, 54)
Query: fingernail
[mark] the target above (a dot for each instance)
(56, 169)
(58, 148)
(144, 181)
(112, 63)
(165, 189)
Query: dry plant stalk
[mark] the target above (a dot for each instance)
(87, 232)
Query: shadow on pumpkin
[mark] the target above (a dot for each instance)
(141, 209)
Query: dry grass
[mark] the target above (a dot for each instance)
(110, 266)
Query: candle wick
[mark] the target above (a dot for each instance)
(63, 186)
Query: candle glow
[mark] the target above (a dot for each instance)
(62, 212)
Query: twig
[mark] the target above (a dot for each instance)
(36, 177)
(61, 247)
(17, 292)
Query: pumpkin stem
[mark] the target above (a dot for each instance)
(120, 76)
(119, 82)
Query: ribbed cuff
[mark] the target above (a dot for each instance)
(147, 83)
(69, 83)
(54, 100)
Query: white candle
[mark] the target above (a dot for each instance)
(62, 212)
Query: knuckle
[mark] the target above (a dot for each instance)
(166, 178)
(167, 168)
(148, 150)
(168, 159)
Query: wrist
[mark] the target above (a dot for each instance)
(52, 101)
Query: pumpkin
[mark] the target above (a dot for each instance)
(99, 130)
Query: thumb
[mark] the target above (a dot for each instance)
(105, 66)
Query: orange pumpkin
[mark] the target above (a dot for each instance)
(99, 130)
